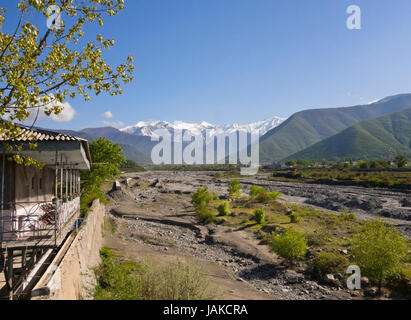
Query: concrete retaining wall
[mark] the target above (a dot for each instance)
(69, 277)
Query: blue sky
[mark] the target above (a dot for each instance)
(240, 61)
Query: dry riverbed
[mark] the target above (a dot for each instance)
(155, 220)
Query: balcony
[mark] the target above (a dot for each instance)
(41, 224)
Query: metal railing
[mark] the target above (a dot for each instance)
(35, 224)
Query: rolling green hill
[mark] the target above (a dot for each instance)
(369, 139)
(306, 128)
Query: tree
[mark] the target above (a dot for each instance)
(379, 251)
(234, 189)
(106, 158)
(201, 198)
(39, 71)
(401, 161)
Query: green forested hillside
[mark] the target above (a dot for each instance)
(306, 128)
(369, 139)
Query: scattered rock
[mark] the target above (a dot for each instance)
(365, 281)
(154, 184)
(330, 279)
(371, 291)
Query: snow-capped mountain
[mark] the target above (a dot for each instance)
(148, 128)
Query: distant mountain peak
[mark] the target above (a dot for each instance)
(147, 128)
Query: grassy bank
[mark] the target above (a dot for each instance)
(119, 279)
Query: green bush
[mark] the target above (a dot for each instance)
(262, 195)
(295, 218)
(259, 216)
(328, 263)
(379, 251)
(290, 245)
(206, 215)
(201, 198)
(178, 280)
(234, 189)
(224, 209)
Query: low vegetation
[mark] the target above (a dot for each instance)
(234, 189)
(373, 173)
(261, 195)
(206, 167)
(259, 216)
(328, 263)
(131, 166)
(290, 245)
(127, 280)
(324, 243)
(200, 200)
(224, 209)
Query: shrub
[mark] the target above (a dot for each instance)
(295, 218)
(224, 209)
(379, 251)
(201, 198)
(261, 195)
(290, 245)
(206, 215)
(234, 189)
(328, 263)
(259, 216)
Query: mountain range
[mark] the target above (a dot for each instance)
(373, 130)
(148, 128)
(136, 140)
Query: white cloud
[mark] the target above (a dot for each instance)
(36, 114)
(115, 124)
(108, 115)
(66, 115)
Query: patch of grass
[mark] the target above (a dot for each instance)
(127, 280)
(318, 239)
(109, 226)
(295, 218)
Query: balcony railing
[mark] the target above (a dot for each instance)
(36, 224)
